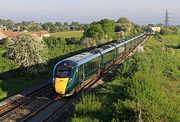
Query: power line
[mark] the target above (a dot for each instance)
(166, 22)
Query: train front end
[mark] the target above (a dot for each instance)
(62, 77)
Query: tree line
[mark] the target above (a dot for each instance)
(47, 26)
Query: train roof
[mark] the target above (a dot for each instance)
(119, 44)
(83, 57)
(106, 48)
(86, 56)
(80, 56)
(133, 38)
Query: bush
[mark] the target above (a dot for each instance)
(52, 42)
(73, 40)
(88, 42)
(28, 51)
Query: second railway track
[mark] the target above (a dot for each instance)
(25, 104)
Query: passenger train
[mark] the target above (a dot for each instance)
(72, 73)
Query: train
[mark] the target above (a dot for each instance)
(71, 74)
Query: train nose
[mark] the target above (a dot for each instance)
(60, 85)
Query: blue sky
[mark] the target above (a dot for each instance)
(86, 11)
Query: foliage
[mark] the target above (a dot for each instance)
(6, 64)
(94, 31)
(123, 20)
(102, 29)
(29, 26)
(53, 42)
(9, 45)
(88, 42)
(58, 46)
(9, 23)
(84, 106)
(170, 30)
(2, 51)
(48, 26)
(84, 119)
(125, 28)
(28, 50)
(108, 27)
(148, 82)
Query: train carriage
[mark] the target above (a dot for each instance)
(108, 54)
(70, 74)
(127, 45)
(120, 48)
(137, 40)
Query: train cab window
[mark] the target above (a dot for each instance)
(63, 73)
(64, 70)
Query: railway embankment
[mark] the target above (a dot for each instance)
(146, 86)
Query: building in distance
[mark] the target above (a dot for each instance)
(12, 34)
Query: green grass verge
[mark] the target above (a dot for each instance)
(68, 34)
(11, 85)
(2, 51)
(149, 81)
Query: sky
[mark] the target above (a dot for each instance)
(86, 11)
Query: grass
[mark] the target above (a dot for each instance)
(12, 85)
(149, 81)
(2, 51)
(68, 34)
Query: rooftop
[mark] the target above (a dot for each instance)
(13, 35)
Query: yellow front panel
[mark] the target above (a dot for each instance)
(60, 85)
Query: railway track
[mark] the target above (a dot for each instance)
(55, 105)
(61, 113)
(43, 108)
(7, 110)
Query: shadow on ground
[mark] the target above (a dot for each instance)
(173, 46)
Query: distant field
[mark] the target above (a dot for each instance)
(68, 34)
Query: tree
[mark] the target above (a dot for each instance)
(66, 26)
(108, 27)
(94, 31)
(75, 26)
(29, 52)
(9, 45)
(123, 20)
(49, 26)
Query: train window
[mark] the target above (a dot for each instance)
(62, 73)
(76, 77)
(64, 69)
(108, 56)
(81, 75)
(91, 66)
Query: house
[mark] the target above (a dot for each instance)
(13, 35)
(156, 29)
(2, 35)
(41, 34)
(10, 34)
